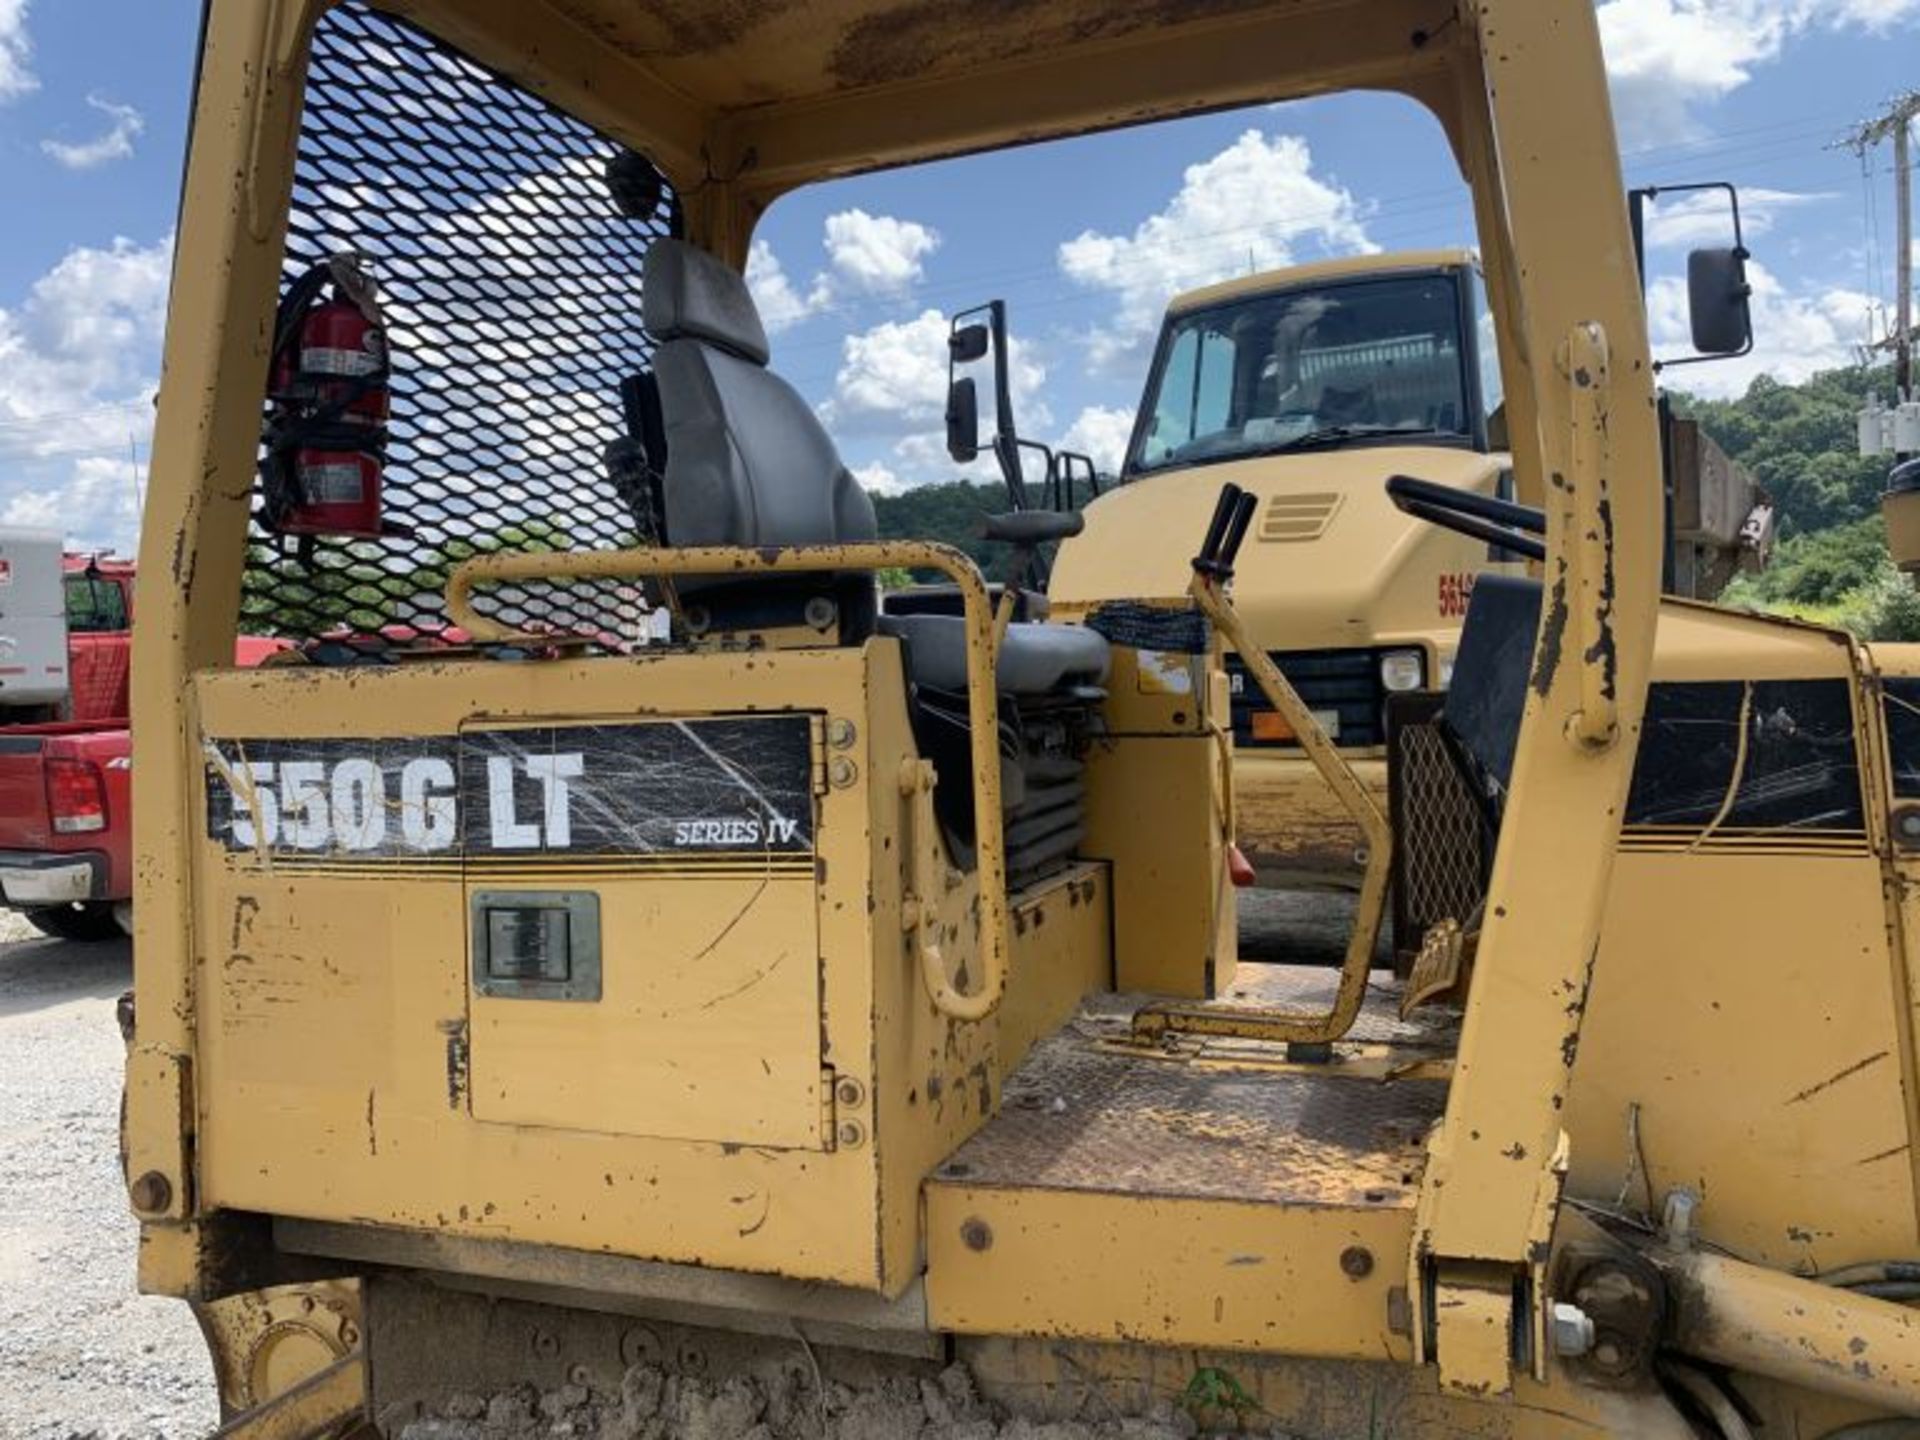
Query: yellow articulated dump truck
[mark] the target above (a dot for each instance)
(1311, 388)
(820, 1021)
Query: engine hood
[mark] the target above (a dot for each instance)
(1329, 560)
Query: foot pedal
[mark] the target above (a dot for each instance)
(1439, 970)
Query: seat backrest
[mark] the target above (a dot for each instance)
(747, 461)
(1492, 671)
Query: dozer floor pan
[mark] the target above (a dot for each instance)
(1169, 1193)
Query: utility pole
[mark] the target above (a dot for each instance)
(1896, 124)
(1903, 264)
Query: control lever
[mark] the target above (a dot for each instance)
(1212, 569)
(1232, 514)
(1501, 523)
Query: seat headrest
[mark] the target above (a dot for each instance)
(688, 294)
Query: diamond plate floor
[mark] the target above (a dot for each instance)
(1085, 1113)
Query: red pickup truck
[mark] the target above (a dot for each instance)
(66, 841)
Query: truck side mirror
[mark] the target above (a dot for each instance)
(967, 344)
(963, 419)
(1719, 301)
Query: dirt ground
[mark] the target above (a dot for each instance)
(82, 1357)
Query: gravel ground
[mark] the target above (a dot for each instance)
(83, 1357)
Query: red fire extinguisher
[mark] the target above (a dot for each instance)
(328, 403)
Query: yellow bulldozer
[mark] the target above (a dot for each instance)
(829, 1021)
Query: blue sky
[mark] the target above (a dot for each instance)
(1084, 239)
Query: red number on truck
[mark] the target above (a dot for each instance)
(1456, 589)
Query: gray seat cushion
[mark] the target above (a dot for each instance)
(1034, 659)
(688, 294)
(747, 460)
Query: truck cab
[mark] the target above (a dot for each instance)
(1309, 388)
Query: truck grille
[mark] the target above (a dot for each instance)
(1342, 687)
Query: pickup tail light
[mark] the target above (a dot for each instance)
(76, 796)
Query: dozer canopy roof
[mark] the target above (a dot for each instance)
(755, 97)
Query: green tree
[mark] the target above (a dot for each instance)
(530, 535)
(1819, 567)
(299, 593)
(1802, 442)
(950, 514)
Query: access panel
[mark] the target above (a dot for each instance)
(640, 936)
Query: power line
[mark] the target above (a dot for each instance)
(1895, 123)
(104, 411)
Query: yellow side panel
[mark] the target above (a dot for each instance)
(708, 1027)
(1062, 952)
(1743, 1004)
(1166, 1270)
(1156, 810)
(346, 1071)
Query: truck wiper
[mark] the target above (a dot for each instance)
(1334, 434)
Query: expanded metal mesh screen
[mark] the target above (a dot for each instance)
(511, 289)
(1440, 843)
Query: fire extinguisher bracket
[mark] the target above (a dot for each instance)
(328, 402)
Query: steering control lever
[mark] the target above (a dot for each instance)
(1482, 517)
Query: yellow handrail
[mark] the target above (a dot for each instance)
(982, 695)
(1262, 1023)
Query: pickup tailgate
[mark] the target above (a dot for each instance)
(26, 818)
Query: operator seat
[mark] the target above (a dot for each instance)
(747, 462)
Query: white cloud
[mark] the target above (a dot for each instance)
(16, 52)
(877, 254)
(1703, 217)
(781, 306)
(97, 508)
(1101, 432)
(879, 479)
(1795, 335)
(116, 143)
(79, 364)
(893, 380)
(1250, 207)
(1666, 57)
(867, 255)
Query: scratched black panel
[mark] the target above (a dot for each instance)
(1903, 734)
(724, 786)
(1801, 769)
(677, 788)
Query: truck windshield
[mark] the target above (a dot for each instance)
(95, 606)
(1327, 365)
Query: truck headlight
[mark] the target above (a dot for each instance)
(1402, 670)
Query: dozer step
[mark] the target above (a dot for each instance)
(1210, 1194)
